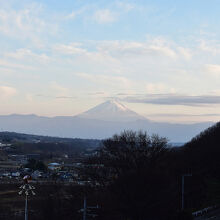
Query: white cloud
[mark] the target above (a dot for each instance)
(209, 46)
(91, 12)
(24, 53)
(85, 56)
(174, 99)
(9, 64)
(117, 51)
(104, 80)
(58, 90)
(7, 92)
(71, 16)
(103, 16)
(185, 52)
(215, 92)
(133, 48)
(29, 97)
(125, 6)
(71, 49)
(25, 23)
(158, 88)
(213, 69)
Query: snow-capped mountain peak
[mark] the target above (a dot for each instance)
(111, 110)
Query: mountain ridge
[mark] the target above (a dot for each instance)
(96, 127)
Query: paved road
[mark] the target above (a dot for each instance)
(213, 215)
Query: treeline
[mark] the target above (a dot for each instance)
(140, 176)
(203, 152)
(12, 137)
(48, 148)
(29, 144)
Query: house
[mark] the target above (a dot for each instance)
(15, 174)
(36, 174)
(54, 166)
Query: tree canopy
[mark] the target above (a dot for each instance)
(133, 168)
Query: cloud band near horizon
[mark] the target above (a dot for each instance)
(173, 99)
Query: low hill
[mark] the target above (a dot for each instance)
(201, 158)
(208, 138)
(44, 145)
(31, 138)
(203, 151)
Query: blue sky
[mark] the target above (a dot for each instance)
(160, 58)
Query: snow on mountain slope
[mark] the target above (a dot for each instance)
(111, 111)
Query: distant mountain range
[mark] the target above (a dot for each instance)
(99, 122)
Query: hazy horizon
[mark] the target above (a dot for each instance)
(164, 118)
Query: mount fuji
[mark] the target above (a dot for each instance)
(99, 122)
(111, 111)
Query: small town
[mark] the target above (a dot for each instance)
(42, 169)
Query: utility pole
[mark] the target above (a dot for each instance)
(84, 208)
(26, 208)
(27, 189)
(183, 189)
(89, 211)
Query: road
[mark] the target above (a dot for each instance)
(213, 215)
